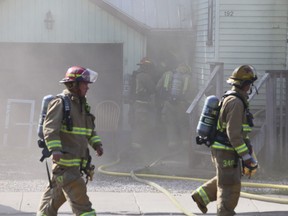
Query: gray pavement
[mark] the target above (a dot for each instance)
(115, 203)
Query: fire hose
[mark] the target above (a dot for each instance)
(137, 176)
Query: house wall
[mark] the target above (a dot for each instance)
(253, 32)
(203, 52)
(244, 32)
(158, 14)
(74, 22)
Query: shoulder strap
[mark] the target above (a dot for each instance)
(66, 110)
(236, 94)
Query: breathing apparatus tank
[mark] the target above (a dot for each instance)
(176, 85)
(207, 124)
(44, 106)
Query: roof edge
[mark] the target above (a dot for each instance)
(138, 26)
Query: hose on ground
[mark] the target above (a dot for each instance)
(136, 176)
(102, 168)
(164, 191)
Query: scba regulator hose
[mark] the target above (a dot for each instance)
(136, 176)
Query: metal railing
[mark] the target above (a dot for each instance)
(216, 78)
(258, 136)
(276, 150)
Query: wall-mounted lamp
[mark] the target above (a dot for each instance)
(49, 21)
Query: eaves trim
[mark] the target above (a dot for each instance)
(138, 26)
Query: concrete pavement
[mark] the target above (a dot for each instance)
(114, 203)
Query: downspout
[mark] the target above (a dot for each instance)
(287, 43)
(217, 29)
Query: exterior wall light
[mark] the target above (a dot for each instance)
(49, 21)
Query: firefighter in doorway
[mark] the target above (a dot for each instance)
(175, 92)
(142, 111)
(231, 145)
(68, 141)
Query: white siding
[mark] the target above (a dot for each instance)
(253, 32)
(245, 32)
(160, 14)
(74, 22)
(203, 53)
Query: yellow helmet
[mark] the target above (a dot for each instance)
(183, 68)
(244, 74)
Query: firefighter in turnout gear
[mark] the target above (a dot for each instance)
(174, 90)
(231, 145)
(68, 141)
(142, 107)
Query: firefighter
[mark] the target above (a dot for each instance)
(231, 146)
(69, 146)
(143, 108)
(174, 91)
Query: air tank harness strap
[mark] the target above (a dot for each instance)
(66, 110)
(222, 138)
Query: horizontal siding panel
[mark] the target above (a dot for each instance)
(202, 14)
(253, 61)
(260, 68)
(263, 19)
(254, 2)
(246, 31)
(270, 43)
(202, 28)
(252, 55)
(256, 25)
(200, 34)
(253, 37)
(203, 22)
(202, 5)
(254, 49)
(253, 7)
(207, 55)
(250, 13)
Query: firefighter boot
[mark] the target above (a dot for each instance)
(196, 198)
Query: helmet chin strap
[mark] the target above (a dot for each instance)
(255, 89)
(251, 89)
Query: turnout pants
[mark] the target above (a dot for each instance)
(225, 187)
(67, 184)
(176, 122)
(143, 123)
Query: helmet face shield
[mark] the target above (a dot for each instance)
(89, 76)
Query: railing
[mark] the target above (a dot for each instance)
(259, 134)
(276, 150)
(216, 69)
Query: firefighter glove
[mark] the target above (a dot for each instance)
(250, 167)
(99, 150)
